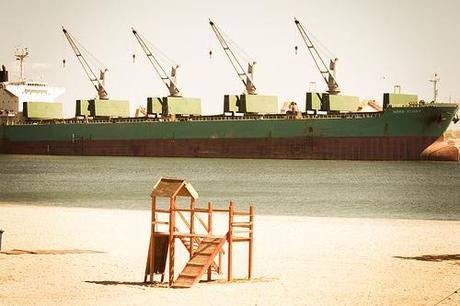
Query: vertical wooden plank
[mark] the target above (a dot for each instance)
(192, 224)
(251, 239)
(147, 264)
(209, 218)
(220, 263)
(152, 239)
(172, 225)
(230, 240)
(210, 233)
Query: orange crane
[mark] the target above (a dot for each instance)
(247, 77)
(98, 83)
(328, 73)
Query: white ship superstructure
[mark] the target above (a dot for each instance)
(29, 91)
(14, 94)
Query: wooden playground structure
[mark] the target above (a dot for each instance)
(199, 240)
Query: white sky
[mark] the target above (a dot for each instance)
(404, 41)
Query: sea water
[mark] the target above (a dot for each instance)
(363, 189)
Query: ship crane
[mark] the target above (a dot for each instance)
(98, 82)
(246, 77)
(328, 73)
(168, 80)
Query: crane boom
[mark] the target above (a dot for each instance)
(328, 73)
(169, 81)
(245, 77)
(98, 83)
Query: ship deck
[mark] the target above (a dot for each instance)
(181, 118)
(317, 115)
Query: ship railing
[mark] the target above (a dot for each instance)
(304, 116)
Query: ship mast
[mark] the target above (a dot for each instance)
(98, 83)
(20, 55)
(168, 80)
(435, 80)
(246, 77)
(328, 73)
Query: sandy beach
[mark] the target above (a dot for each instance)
(297, 261)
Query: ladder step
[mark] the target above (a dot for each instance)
(185, 280)
(188, 242)
(160, 222)
(204, 253)
(241, 239)
(194, 275)
(191, 270)
(213, 241)
(241, 224)
(199, 261)
(194, 264)
(178, 284)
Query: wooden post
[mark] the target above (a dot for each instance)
(210, 233)
(172, 225)
(192, 224)
(151, 255)
(230, 240)
(147, 264)
(251, 238)
(209, 218)
(220, 263)
(154, 219)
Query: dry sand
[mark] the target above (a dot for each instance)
(298, 261)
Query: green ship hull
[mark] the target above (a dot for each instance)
(398, 133)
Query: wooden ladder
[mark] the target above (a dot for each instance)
(200, 262)
(215, 267)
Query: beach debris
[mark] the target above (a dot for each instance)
(447, 297)
(48, 252)
(435, 258)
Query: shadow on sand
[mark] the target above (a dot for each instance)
(140, 284)
(436, 258)
(165, 285)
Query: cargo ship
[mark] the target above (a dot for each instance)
(397, 133)
(249, 127)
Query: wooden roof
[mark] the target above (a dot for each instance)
(169, 187)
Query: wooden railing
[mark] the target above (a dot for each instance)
(238, 231)
(191, 240)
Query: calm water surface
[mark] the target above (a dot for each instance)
(422, 190)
